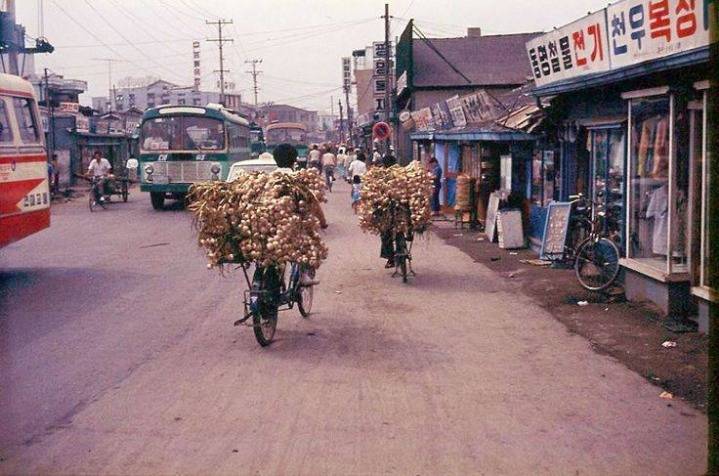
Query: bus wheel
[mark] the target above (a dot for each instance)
(158, 200)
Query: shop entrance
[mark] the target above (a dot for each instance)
(606, 184)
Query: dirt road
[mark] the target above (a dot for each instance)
(119, 357)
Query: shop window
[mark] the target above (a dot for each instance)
(545, 185)
(607, 180)
(700, 159)
(659, 183)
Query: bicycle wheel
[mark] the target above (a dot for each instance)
(305, 294)
(93, 203)
(264, 311)
(597, 263)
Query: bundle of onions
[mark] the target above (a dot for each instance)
(396, 188)
(260, 217)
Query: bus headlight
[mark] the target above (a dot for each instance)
(215, 169)
(149, 169)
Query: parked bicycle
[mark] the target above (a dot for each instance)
(596, 257)
(271, 288)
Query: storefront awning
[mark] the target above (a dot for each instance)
(679, 60)
(494, 133)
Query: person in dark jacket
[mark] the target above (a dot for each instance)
(387, 249)
(436, 172)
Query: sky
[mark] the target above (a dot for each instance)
(301, 43)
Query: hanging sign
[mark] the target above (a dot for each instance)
(423, 119)
(455, 110)
(441, 115)
(346, 74)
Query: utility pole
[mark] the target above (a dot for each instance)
(221, 42)
(387, 106)
(342, 129)
(51, 109)
(110, 87)
(8, 35)
(254, 73)
(349, 118)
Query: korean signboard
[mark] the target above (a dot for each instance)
(479, 107)
(623, 34)
(577, 49)
(641, 30)
(441, 115)
(196, 64)
(423, 119)
(346, 74)
(68, 108)
(456, 112)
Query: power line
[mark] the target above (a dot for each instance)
(121, 35)
(97, 38)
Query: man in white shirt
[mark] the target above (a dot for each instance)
(329, 162)
(100, 168)
(357, 167)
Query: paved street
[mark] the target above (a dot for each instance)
(118, 356)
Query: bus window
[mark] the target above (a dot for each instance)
(26, 120)
(182, 133)
(5, 132)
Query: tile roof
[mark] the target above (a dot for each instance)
(486, 60)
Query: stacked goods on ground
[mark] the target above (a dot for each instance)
(259, 217)
(387, 195)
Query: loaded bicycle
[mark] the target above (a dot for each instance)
(272, 289)
(596, 257)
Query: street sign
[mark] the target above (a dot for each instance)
(346, 74)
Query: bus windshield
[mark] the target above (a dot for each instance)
(279, 135)
(182, 133)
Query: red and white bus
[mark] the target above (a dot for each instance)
(24, 187)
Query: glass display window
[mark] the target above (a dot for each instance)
(608, 151)
(649, 210)
(545, 177)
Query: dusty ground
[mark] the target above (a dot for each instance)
(630, 332)
(118, 356)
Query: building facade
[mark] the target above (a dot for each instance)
(629, 109)
(159, 93)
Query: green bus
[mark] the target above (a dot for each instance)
(182, 145)
(293, 133)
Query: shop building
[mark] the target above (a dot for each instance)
(629, 87)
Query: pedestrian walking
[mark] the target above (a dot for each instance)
(356, 192)
(358, 167)
(342, 161)
(315, 158)
(436, 172)
(376, 157)
(329, 162)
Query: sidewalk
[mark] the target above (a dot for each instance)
(630, 332)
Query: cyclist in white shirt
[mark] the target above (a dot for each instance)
(100, 168)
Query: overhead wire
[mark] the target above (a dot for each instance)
(129, 42)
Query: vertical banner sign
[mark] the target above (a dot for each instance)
(577, 49)
(455, 110)
(379, 73)
(196, 64)
(641, 30)
(346, 74)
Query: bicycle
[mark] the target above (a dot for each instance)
(402, 252)
(271, 288)
(596, 258)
